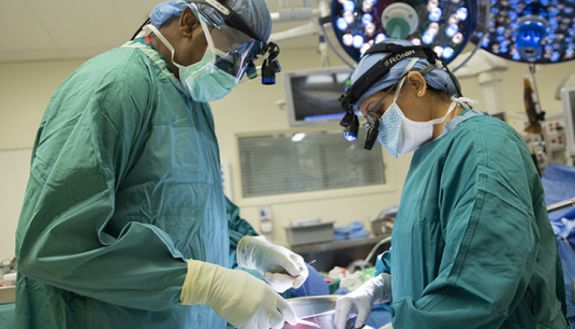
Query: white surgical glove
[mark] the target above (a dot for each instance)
(282, 268)
(239, 298)
(361, 300)
(387, 326)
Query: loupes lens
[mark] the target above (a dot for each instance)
(371, 136)
(232, 63)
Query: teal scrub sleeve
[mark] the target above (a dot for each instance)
(490, 240)
(383, 263)
(238, 228)
(65, 237)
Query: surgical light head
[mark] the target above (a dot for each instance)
(539, 31)
(381, 68)
(445, 26)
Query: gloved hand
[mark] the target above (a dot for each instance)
(361, 300)
(282, 268)
(239, 298)
(387, 326)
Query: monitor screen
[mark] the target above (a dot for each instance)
(312, 96)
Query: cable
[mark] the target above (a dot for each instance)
(374, 249)
(146, 22)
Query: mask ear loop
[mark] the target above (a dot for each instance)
(207, 34)
(162, 38)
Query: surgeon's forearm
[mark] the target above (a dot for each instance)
(381, 286)
(136, 271)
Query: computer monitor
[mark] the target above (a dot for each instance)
(568, 100)
(312, 96)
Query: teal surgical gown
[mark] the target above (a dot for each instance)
(125, 185)
(472, 246)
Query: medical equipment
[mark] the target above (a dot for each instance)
(568, 100)
(7, 266)
(445, 26)
(561, 205)
(309, 232)
(547, 138)
(270, 66)
(311, 96)
(318, 309)
(540, 31)
(7, 295)
(348, 100)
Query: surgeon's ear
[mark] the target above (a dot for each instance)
(417, 81)
(188, 22)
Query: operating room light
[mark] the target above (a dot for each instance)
(357, 41)
(447, 52)
(445, 25)
(298, 137)
(350, 136)
(341, 24)
(531, 31)
(435, 14)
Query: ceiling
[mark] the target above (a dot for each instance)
(67, 29)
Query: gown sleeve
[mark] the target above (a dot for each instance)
(237, 227)
(78, 163)
(487, 221)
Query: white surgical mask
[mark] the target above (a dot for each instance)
(399, 134)
(204, 80)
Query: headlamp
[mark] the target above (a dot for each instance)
(271, 65)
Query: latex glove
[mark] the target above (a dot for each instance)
(241, 299)
(387, 326)
(281, 267)
(361, 300)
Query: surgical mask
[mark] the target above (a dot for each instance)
(204, 80)
(399, 134)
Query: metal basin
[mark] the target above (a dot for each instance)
(317, 309)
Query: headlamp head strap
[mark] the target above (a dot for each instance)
(381, 68)
(229, 16)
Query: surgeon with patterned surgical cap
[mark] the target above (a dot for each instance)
(472, 247)
(125, 223)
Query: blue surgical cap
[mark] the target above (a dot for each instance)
(255, 14)
(437, 78)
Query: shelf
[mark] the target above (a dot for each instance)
(336, 244)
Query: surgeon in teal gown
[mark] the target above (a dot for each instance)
(125, 187)
(471, 246)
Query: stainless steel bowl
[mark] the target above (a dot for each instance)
(317, 309)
